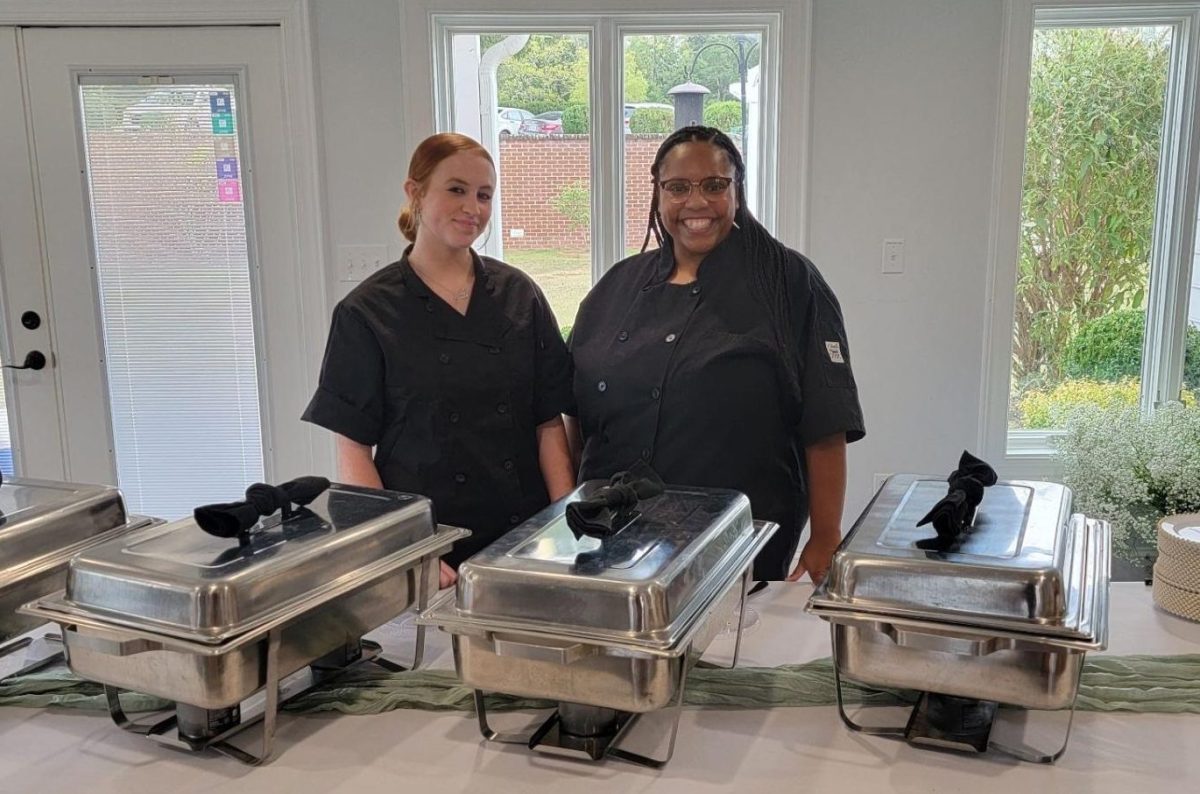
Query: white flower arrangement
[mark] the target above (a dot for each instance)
(1132, 470)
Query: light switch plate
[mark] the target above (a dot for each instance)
(356, 262)
(893, 256)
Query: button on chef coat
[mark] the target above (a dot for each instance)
(689, 378)
(450, 402)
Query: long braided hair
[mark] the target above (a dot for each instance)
(766, 257)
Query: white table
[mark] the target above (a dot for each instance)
(793, 749)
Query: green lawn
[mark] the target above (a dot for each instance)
(565, 277)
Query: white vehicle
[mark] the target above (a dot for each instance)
(509, 120)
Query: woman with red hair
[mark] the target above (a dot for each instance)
(445, 373)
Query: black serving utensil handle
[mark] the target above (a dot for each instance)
(238, 519)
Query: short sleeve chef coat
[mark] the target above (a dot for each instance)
(688, 378)
(450, 402)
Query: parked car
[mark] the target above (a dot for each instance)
(169, 108)
(509, 120)
(548, 123)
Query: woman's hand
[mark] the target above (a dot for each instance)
(815, 559)
(447, 576)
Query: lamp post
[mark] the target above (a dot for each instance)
(745, 47)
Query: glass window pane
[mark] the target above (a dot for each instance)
(1191, 343)
(676, 79)
(164, 172)
(1096, 103)
(525, 96)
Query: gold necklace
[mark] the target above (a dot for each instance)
(457, 295)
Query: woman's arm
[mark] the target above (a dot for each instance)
(574, 442)
(555, 458)
(355, 463)
(826, 459)
(356, 466)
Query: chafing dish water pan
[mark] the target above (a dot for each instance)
(208, 622)
(607, 627)
(1004, 616)
(42, 525)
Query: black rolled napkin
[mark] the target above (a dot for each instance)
(954, 513)
(601, 514)
(236, 519)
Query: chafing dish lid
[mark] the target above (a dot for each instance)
(42, 523)
(178, 579)
(1020, 563)
(644, 582)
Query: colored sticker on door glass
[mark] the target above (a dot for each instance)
(227, 168)
(222, 124)
(229, 190)
(225, 147)
(219, 102)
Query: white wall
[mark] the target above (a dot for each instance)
(904, 109)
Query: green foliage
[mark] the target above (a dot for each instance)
(725, 115)
(575, 120)
(542, 75)
(1109, 348)
(717, 66)
(1046, 409)
(652, 120)
(574, 202)
(1091, 163)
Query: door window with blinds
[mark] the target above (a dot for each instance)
(167, 191)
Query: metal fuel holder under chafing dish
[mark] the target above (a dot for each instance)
(229, 631)
(1004, 616)
(609, 628)
(43, 523)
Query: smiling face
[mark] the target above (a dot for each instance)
(455, 203)
(700, 222)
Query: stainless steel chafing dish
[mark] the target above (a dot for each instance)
(606, 627)
(1005, 615)
(203, 621)
(42, 525)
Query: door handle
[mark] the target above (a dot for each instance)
(34, 359)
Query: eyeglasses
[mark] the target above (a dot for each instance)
(711, 188)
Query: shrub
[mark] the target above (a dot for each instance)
(1042, 409)
(574, 202)
(725, 116)
(575, 120)
(652, 120)
(1109, 348)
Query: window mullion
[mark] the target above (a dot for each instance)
(608, 166)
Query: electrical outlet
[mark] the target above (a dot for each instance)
(356, 262)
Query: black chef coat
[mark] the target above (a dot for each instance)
(450, 402)
(689, 378)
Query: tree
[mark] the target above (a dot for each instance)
(543, 74)
(1096, 100)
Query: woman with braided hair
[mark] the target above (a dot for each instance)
(720, 358)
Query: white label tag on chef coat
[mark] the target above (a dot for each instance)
(835, 352)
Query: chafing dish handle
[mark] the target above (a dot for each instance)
(526, 649)
(961, 646)
(112, 647)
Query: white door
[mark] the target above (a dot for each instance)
(166, 237)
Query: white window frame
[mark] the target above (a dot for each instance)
(1029, 453)
(430, 24)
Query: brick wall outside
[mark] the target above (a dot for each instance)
(539, 175)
